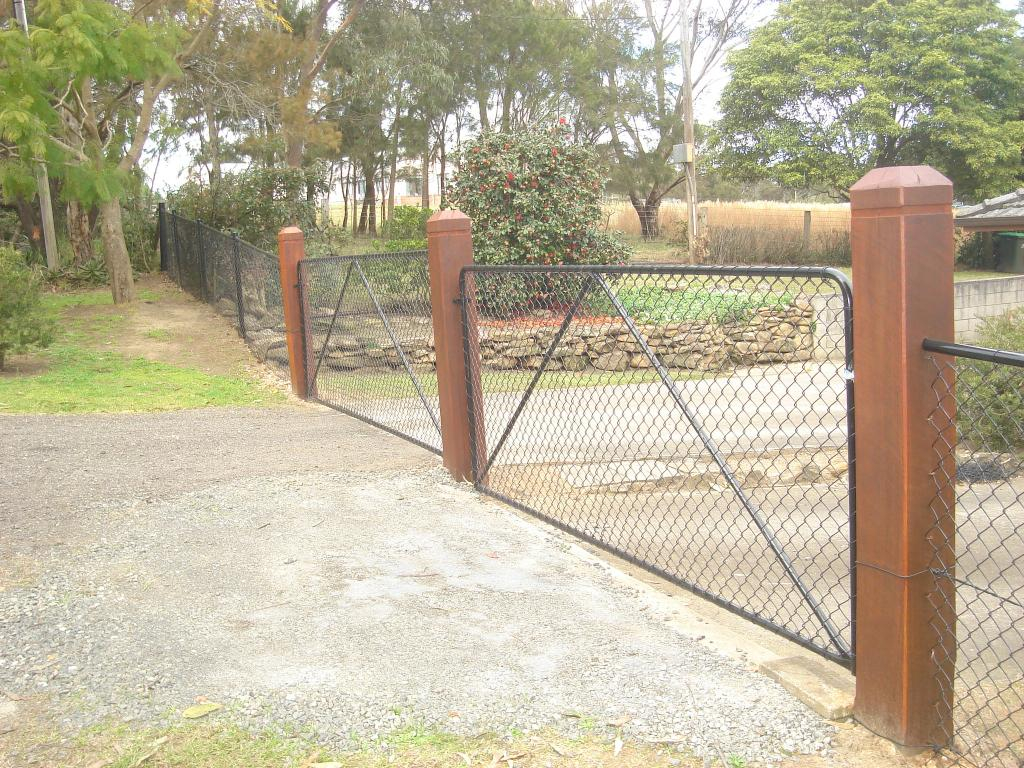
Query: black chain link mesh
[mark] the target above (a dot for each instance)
(978, 562)
(694, 420)
(238, 279)
(370, 341)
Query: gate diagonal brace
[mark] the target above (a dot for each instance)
(726, 471)
(334, 319)
(397, 345)
(584, 289)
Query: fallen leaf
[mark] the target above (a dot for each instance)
(468, 760)
(332, 764)
(154, 748)
(493, 555)
(619, 722)
(618, 746)
(200, 710)
(561, 752)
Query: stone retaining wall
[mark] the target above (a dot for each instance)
(770, 335)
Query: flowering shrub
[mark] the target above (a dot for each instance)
(534, 198)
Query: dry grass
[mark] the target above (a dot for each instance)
(826, 219)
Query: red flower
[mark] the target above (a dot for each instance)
(554, 151)
(561, 121)
(511, 176)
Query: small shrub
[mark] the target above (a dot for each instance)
(991, 414)
(970, 251)
(534, 198)
(139, 223)
(407, 222)
(411, 244)
(24, 323)
(328, 241)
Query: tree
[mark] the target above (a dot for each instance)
(81, 94)
(830, 89)
(639, 103)
(312, 39)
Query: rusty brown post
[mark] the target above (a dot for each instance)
(902, 239)
(291, 250)
(449, 249)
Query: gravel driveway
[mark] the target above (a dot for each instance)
(302, 567)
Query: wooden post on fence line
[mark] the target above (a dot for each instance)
(449, 249)
(902, 240)
(291, 249)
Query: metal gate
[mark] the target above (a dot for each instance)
(369, 341)
(697, 421)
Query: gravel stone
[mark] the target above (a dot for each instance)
(303, 568)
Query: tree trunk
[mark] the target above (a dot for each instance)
(647, 210)
(344, 194)
(29, 223)
(425, 175)
(361, 230)
(213, 133)
(444, 161)
(371, 199)
(392, 180)
(119, 266)
(79, 233)
(355, 198)
(481, 103)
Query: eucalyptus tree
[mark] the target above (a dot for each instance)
(80, 94)
(635, 94)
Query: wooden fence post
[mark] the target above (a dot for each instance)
(449, 249)
(291, 249)
(902, 240)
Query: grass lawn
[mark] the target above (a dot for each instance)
(86, 370)
(396, 384)
(221, 745)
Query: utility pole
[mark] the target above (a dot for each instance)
(42, 177)
(689, 153)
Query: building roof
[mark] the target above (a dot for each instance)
(1005, 212)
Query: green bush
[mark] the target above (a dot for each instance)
(971, 252)
(410, 244)
(24, 323)
(407, 222)
(534, 198)
(991, 396)
(330, 240)
(255, 203)
(139, 223)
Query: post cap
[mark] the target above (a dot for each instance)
(289, 233)
(900, 186)
(449, 220)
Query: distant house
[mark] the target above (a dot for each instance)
(1000, 214)
(1004, 217)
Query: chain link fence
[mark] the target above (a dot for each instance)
(238, 279)
(694, 420)
(370, 342)
(978, 545)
